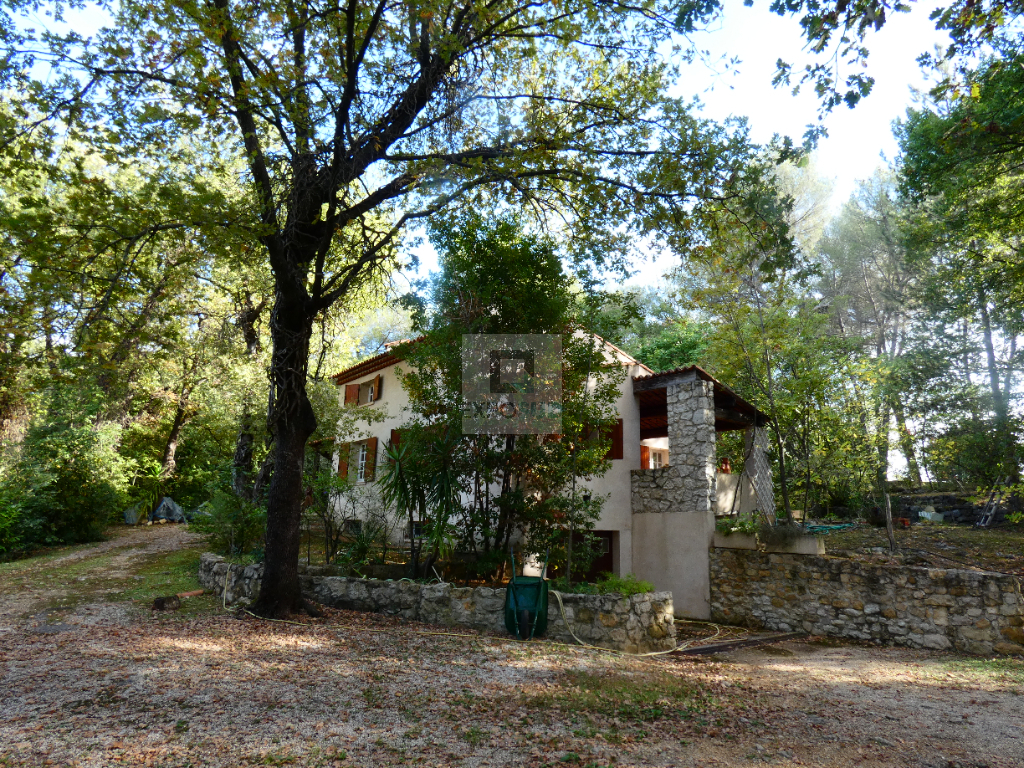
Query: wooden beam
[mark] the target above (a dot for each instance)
(662, 382)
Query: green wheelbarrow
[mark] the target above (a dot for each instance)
(526, 603)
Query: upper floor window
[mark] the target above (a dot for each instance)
(364, 393)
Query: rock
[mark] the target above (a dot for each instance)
(1008, 649)
(169, 603)
(641, 624)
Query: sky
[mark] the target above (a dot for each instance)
(860, 139)
(857, 136)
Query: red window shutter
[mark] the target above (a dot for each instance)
(371, 459)
(343, 452)
(615, 433)
(351, 394)
(375, 394)
(396, 437)
(645, 457)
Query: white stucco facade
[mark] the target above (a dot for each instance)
(661, 534)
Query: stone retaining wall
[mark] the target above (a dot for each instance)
(637, 624)
(968, 611)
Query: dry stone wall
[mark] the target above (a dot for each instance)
(968, 611)
(637, 624)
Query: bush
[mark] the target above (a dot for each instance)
(233, 527)
(11, 517)
(627, 586)
(68, 485)
(730, 525)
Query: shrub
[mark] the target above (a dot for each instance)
(730, 525)
(70, 483)
(233, 526)
(627, 586)
(11, 517)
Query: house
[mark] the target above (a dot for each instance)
(662, 490)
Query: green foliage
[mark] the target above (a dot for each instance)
(293, 144)
(676, 345)
(233, 526)
(359, 549)
(498, 278)
(69, 482)
(608, 584)
(12, 533)
(730, 525)
(960, 174)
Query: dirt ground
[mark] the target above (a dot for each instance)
(90, 676)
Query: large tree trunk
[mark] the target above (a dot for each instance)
(292, 423)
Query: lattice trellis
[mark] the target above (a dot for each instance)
(757, 468)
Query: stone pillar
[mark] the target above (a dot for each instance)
(673, 507)
(691, 441)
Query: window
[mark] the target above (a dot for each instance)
(611, 432)
(361, 463)
(658, 459)
(358, 461)
(369, 391)
(364, 393)
(352, 527)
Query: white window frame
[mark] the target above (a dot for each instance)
(657, 459)
(361, 463)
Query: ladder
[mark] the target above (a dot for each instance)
(995, 498)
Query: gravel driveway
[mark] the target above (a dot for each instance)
(95, 683)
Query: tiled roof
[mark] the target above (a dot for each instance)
(373, 364)
(688, 369)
